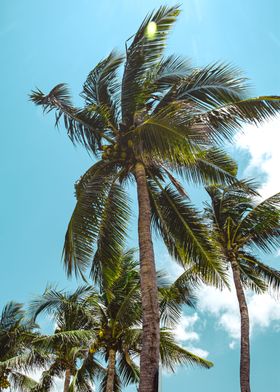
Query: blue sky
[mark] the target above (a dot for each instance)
(48, 42)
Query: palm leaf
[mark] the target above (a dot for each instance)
(223, 121)
(101, 88)
(270, 276)
(184, 235)
(112, 230)
(82, 127)
(22, 383)
(128, 370)
(142, 55)
(172, 355)
(83, 228)
(261, 226)
(211, 166)
(173, 296)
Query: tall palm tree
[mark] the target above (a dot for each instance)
(110, 328)
(240, 225)
(16, 335)
(162, 120)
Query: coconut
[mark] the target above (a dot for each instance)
(130, 143)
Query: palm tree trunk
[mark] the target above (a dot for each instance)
(245, 329)
(149, 358)
(67, 380)
(111, 371)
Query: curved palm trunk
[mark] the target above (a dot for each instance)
(67, 380)
(111, 371)
(149, 358)
(245, 330)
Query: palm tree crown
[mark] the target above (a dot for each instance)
(16, 336)
(239, 226)
(103, 326)
(164, 114)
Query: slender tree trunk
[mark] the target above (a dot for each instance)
(245, 330)
(149, 358)
(67, 380)
(111, 371)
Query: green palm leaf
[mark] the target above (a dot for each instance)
(261, 226)
(270, 276)
(172, 355)
(142, 54)
(101, 88)
(185, 236)
(112, 230)
(83, 228)
(82, 127)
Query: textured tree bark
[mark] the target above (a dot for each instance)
(149, 358)
(111, 371)
(245, 329)
(67, 380)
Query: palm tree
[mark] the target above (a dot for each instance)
(111, 327)
(16, 335)
(163, 120)
(239, 225)
(68, 348)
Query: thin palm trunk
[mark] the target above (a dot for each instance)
(67, 380)
(111, 371)
(149, 358)
(245, 330)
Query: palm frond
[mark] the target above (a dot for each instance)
(261, 226)
(22, 383)
(128, 370)
(82, 127)
(169, 71)
(101, 88)
(47, 380)
(212, 85)
(180, 292)
(83, 228)
(27, 361)
(112, 230)
(183, 233)
(167, 137)
(172, 355)
(67, 338)
(142, 55)
(12, 314)
(211, 166)
(117, 383)
(223, 121)
(270, 276)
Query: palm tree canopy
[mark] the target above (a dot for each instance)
(92, 321)
(242, 224)
(16, 336)
(167, 115)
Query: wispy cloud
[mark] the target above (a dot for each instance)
(264, 311)
(186, 334)
(262, 144)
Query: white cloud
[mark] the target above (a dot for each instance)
(262, 144)
(184, 330)
(232, 344)
(264, 310)
(186, 335)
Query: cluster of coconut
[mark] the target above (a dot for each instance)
(118, 151)
(4, 382)
(93, 348)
